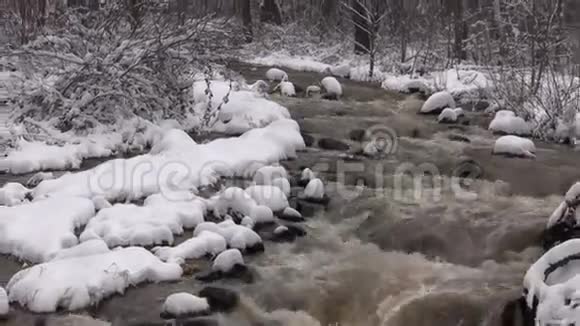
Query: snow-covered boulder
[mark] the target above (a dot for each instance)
(314, 190)
(13, 194)
(306, 175)
(275, 74)
(205, 243)
(261, 214)
(553, 283)
(4, 303)
(292, 215)
(459, 112)
(80, 282)
(514, 146)
(505, 122)
(270, 196)
(226, 260)
(437, 102)
(283, 184)
(184, 305)
(332, 86)
(260, 87)
(287, 89)
(312, 90)
(265, 175)
(448, 115)
(237, 236)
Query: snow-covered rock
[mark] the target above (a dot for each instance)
(183, 305)
(515, 146)
(261, 214)
(275, 74)
(312, 89)
(287, 89)
(280, 229)
(79, 282)
(237, 236)
(447, 116)
(91, 247)
(414, 86)
(260, 87)
(37, 231)
(205, 243)
(13, 194)
(265, 175)
(36, 179)
(554, 282)
(459, 112)
(226, 261)
(101, 203)
(573, 194)
(270, 196)
(152, 224)
(291, 214)
(307, 175)
(437, 102)
(507, 123)
(4, 303)
(248, 222)
(314, 189)
(331, 86)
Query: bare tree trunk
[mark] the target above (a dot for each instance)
(247, 20)
(270, 12)
(460, 30)
(362, 37)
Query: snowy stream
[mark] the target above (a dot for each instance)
(382, 255)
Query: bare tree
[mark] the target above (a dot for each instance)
(247, 20)
(270, 12)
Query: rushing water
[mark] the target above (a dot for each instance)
(385, 254)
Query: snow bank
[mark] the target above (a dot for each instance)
(154, 223)
(206, 242)
(13, 194)
(89, 248)
(237, 236)
(79, 282)
(178, 167)
(406, 84)
(506, 122)
(515, 146)
(184, 304)
(557, 291)
(38, 230)
(275, 74)
(331, 86)
(437, 102)
(244, 110)
(298, 63)
(269, 196)
(314, 189)
(226, 261)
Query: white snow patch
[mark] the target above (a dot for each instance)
(332, 86)
(280, 229)
(154, 223)
(206, 242)
(38, 230)
(180, 167)
(89, 248)
(79, 282)
(13, 194)
(182, 304)
(275, 74)
(514, 145)
(314, 189)
(225, 261)
(438, 101)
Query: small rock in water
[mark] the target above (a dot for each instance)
(333, 144)
(287, 233)
(220, 299)
(36, 179)
(459, 138)
(312, 89)
(314, 189)
(228, 264)
(184, 305)
(306, 176)
(292, 215)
